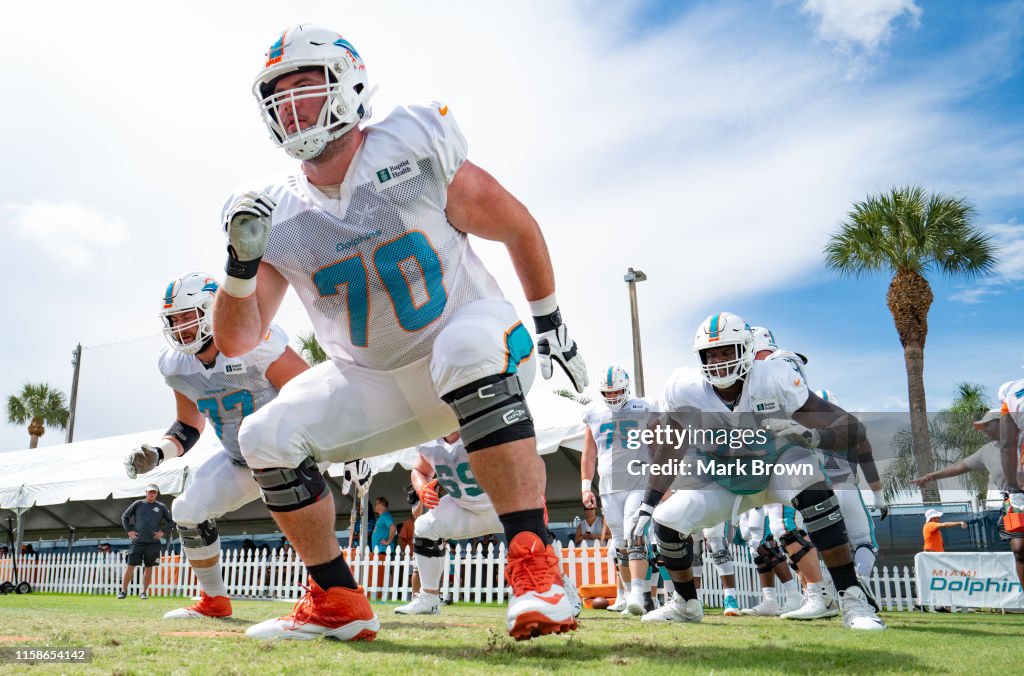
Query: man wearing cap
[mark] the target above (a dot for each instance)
(932, 536)
(145, 535)
(987, 458)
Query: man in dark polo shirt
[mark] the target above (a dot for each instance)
(142, 521)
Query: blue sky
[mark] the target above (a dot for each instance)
(714, 145)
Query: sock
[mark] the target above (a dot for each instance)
(333, 574)
(791, 587)
(769, 593)
(431, 569)
(844, 576)
(687, 590)
(531, 520)
(211, 580)
(730, 591)
(636, 586)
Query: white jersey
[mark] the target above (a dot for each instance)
(229, 390)
(451, 464)
(380, 269)
(1011, 402)
(613, 432)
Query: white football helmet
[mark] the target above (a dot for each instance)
(191, 297)
(763, 340)
(827, 396)
(346, 92)
(719, 330)
(614, 387)
(796, 360)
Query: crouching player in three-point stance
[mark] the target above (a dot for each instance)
(464, 511)
(734, 394)
(208, 385)
(372, 236)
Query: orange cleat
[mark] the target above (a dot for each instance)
(206, 606)
(338, 613)
(539, 603)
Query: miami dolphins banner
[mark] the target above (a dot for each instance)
(968, 580)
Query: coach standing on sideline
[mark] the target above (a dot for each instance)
(145, 536)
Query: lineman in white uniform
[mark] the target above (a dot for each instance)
(770, 559)
(224, 390)
(372, 236)
(463, 511)
(1011, 440)
(748, 429)
(621, 461)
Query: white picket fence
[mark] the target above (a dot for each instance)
(473, 576)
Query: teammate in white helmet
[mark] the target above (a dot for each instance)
(210, 386)
(372, 235)
(610, 444)
(463, 511)
(749, 430)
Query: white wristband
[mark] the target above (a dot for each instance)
(586, 485)
(544, 306)
(879, 497)
(239, 288)
(169, 448)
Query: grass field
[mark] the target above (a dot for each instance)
(130, 636)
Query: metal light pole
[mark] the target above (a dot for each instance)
(631, 278)
(76, 361)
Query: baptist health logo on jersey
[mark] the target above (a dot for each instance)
(399, 172)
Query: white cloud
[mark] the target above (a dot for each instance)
(1009, 242)
(864, 23)
(69, 232)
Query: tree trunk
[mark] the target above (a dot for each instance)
(913, 355)
(33, 440)
(909, 299)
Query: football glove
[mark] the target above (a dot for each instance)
(555, 345)
(357, 472)
(793, 432)
(141, 460)
(643, 522)
(1017, 500)
(428, 495)
(247, 226)
(882, 504)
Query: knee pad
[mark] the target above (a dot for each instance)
(676, 551)
(428, 548)
(721, 556)
(621, 557)
(800, 537)
(768, 556)
(637, 551)
(822, 519)
(491, 411)
(285, 490)
(201, 541)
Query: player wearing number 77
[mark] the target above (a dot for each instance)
(209, 385)
(372, 235)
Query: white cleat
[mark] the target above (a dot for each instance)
(793, 602)
(619, 605)
(573, 595)
(634, 603)
(421, 604)
(677, 610)
(857, 611)
(815, 607)
(766, 608)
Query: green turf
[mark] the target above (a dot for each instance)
(128, 637)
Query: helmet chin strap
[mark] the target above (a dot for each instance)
(207, 343)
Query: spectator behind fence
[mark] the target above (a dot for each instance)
(591, 529)
(932, 526)
(384, 534)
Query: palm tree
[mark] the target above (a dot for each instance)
(953, 438)
(39, 405)
(908, 234)
(311, 349)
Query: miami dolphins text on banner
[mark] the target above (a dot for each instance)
(968, 580)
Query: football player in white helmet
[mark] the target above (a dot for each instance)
(371, 232)
(620, 460)
(209, 385)
(758, 429)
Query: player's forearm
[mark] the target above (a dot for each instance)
(866, 462)
(842, 433)
(236, 324)
(530, 258)
(956, 469)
